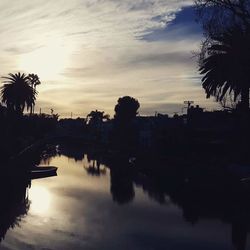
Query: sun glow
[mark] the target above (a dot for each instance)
(48, 61)
(40, 199)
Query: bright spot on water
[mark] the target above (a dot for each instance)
(40, 199)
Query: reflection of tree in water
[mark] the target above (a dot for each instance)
(200, 197)
(72, 151)
(68, 150)
(14, 204)
(152, 188)
(229, 206)
(94, 168)
(121, 178)
(48, 154)
(203, 198)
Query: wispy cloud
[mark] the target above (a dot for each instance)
(88, 53)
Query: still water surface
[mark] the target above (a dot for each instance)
(83, 208)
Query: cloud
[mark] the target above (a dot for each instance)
(182, 25)
(164, 58)
(18, 50)
(88, 53)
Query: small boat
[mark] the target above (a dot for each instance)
(43, 172)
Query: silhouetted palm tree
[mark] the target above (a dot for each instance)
(96, 117)
(33, 81)
(17, 93)
(226, 66)
(95, 121)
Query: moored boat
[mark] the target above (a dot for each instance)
(43, 171)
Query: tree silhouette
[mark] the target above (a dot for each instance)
(125, 131)
(94, 118)
(126, 109)
(17, 93)
(33, 81)
(217, 16)
(225, 66)
(224, 52)
(95, 121)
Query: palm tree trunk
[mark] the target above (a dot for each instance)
(33, 106)
(31, 110)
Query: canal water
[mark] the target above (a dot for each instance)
(89, 206)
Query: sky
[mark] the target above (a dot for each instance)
(88, 53)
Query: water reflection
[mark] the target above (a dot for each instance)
(197, 198)
(156, 209)
(121, 184)
(95, 169)
(40, 199)
(14, 203)
(121, 176)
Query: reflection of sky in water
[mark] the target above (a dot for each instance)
(75, 211)
(40, 200)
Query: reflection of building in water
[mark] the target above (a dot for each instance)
(14, 203)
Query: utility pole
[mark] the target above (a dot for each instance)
(188, 103)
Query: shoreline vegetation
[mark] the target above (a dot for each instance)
(200, 137)
(197, 136)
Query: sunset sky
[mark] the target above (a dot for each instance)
(88, 53)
